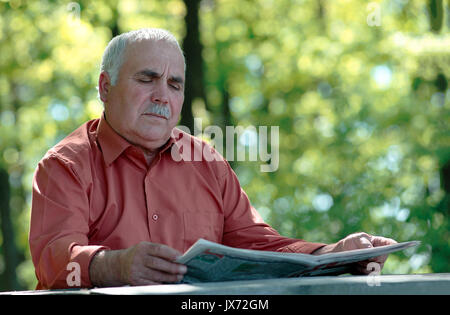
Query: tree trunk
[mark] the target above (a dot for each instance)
(192, 48)
(114, 26)
(9, 250)
(445, 178)
(436, 14)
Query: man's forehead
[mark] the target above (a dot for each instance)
(155, 55)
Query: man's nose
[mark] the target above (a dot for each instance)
(160, 94)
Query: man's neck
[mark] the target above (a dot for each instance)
(149, 155)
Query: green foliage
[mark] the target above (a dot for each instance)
(363, 111)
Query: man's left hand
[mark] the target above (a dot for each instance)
(358, 241)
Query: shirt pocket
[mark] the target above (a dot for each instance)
(202, 224)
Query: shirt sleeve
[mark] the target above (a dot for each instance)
(245, 228)
(59, 226)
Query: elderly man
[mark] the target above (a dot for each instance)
(113, 207)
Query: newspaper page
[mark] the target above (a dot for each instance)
(209, 262)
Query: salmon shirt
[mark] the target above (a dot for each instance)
(95, 191)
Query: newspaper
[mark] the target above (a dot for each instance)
(208, 262)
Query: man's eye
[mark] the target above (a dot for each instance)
(145, 80)
(176, 87)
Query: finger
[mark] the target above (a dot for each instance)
(158, 277)
(380, 259)
(161, 264)
(356, 241)
(361, 235)
(382, 241)
(359, 268)
(362, 241)
(163, 251)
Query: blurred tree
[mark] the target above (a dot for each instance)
(363, 110)
(192, 47)
(8, 277)
(351, 129)
(436, 12)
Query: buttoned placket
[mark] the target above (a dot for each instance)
(153, 214)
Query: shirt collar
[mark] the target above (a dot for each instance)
(113, 144)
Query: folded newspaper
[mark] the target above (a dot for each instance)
(208, 261)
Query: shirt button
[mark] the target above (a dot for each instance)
(155, 217)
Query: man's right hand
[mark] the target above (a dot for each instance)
(143, 264)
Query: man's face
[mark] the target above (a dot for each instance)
(145, 104)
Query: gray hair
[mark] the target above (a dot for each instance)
(113, 56)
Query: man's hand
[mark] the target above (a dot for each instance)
(143, 264)
(358, 241)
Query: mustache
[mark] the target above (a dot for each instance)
(158, 110)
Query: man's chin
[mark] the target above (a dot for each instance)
(154, 139)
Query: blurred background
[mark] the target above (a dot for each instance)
(359, 90)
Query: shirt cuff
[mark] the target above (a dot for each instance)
(81, 257)
(302, 247)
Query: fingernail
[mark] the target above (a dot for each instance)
(182, 269)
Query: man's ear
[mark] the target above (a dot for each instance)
(104, 86)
